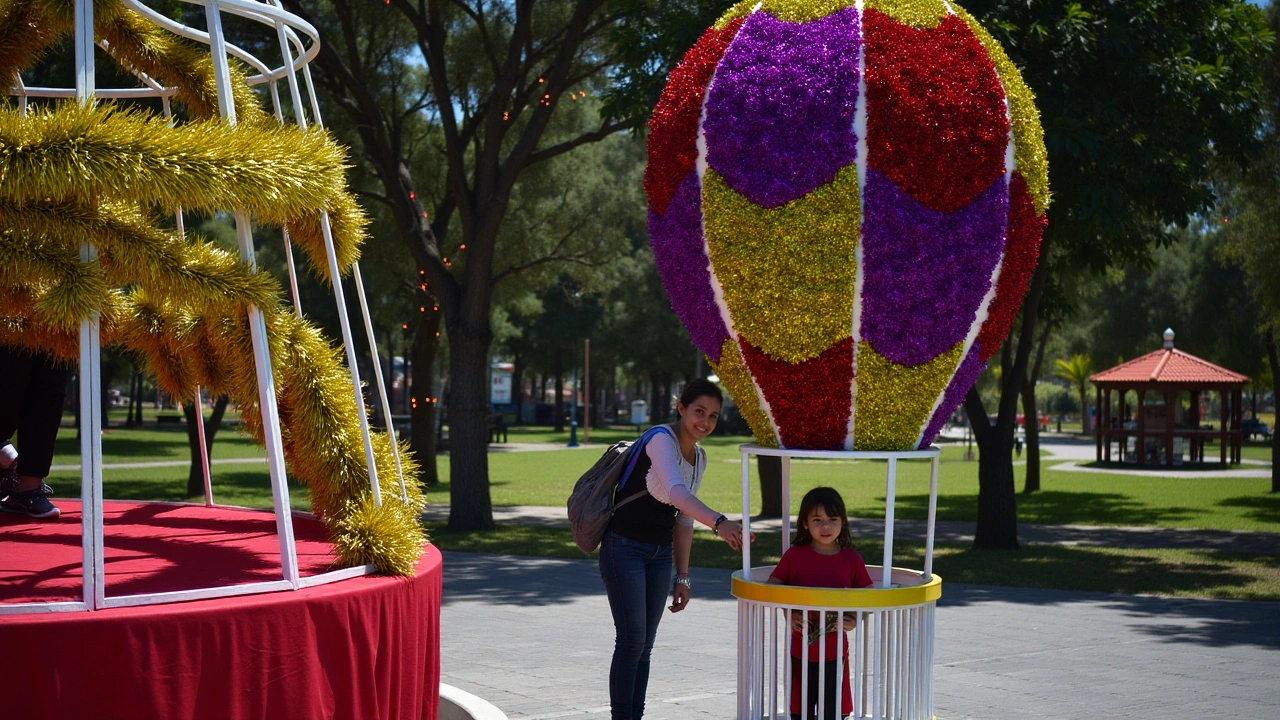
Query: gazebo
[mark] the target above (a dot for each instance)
(1173, 390)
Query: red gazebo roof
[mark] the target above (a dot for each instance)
(1169, 365)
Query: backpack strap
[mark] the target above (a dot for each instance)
(633, 453)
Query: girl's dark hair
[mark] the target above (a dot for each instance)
(701, 387)
(830, 502)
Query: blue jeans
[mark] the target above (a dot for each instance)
(637, 578)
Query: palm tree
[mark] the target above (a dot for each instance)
(1077, 371)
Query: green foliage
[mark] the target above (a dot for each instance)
(1137, 98)
(1187, 287)
(649, 41)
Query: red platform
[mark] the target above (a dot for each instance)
(365, 647)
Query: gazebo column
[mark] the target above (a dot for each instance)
(1106, 450)
(1193, 419)
(1224, 419)
(1168, 427)
(1100, 424)
(1237, 435)
(1141, 443)
(1124, 436)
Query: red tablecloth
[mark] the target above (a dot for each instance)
(363, 648)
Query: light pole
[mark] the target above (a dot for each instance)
(573, 414)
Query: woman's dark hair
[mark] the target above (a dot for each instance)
(701, 387)
(832, 504)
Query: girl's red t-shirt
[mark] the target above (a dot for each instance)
(802, 565)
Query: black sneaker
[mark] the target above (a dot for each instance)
(32, 503)
(9, 480)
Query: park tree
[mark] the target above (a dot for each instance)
(1253, 232)
(1136, 98)
(1077, 371)
(493, 79)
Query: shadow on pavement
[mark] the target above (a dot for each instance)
(1207, 623)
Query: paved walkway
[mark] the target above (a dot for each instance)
(961, 532)
(534, 637)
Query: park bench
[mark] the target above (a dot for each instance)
(1251, 427)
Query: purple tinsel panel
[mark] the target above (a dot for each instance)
(779, 117)
(925, 272)
(681, 257)
(966, 375)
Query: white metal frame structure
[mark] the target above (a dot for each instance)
(890, 653)
(299, 43)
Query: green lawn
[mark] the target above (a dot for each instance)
(1157, 572)
(546, 477)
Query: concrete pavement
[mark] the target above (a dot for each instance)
(534, 637)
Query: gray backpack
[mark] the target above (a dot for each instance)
(592, 503)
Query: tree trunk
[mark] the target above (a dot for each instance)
(133, 397)
(1031, 414)
(1084, 412)
(195, 476)
(517, 387)
(142, 387)
(557, 410)
(107, 377)
(1274, 358)
(655, 392)
(425, 404)
(1032, 426)
(769, 468)
(470, 506)
(997, 526)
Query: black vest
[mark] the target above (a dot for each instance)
(644, 519)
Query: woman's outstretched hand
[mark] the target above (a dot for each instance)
(679, 598)
(731, 532)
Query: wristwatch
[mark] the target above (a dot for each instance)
(716, 528)
(685, 582)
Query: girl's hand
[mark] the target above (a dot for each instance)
(797, 621)
(731, 532)
(679, 598)
(850, 621)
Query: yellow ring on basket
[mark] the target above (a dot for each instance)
(790, 595)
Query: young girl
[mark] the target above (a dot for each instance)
(821, 556)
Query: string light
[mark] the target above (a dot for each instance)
(541, 80)
(463, 246)
(506, 116)
(404, 326)
(413, 195)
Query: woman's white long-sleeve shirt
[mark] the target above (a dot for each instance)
(673, 481)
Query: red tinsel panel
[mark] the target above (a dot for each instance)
(810, 400)
(936, 118)
(673, 129)
(1021, 250)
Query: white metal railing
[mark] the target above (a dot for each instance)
(299, 43)
(887, 656)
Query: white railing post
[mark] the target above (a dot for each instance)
(90, 370)
(933, 514)
(891, 488)
(746, 514)
(257, 325)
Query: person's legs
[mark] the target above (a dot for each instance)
(657, 590)
(39, 418)
(622, 567)
(32, 390)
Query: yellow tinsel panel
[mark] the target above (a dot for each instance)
(788, 273)
(919, 14)
(892, 402)
(733, 373)
(1029, 154)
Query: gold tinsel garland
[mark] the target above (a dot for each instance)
(284, 175)
(72, 173)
